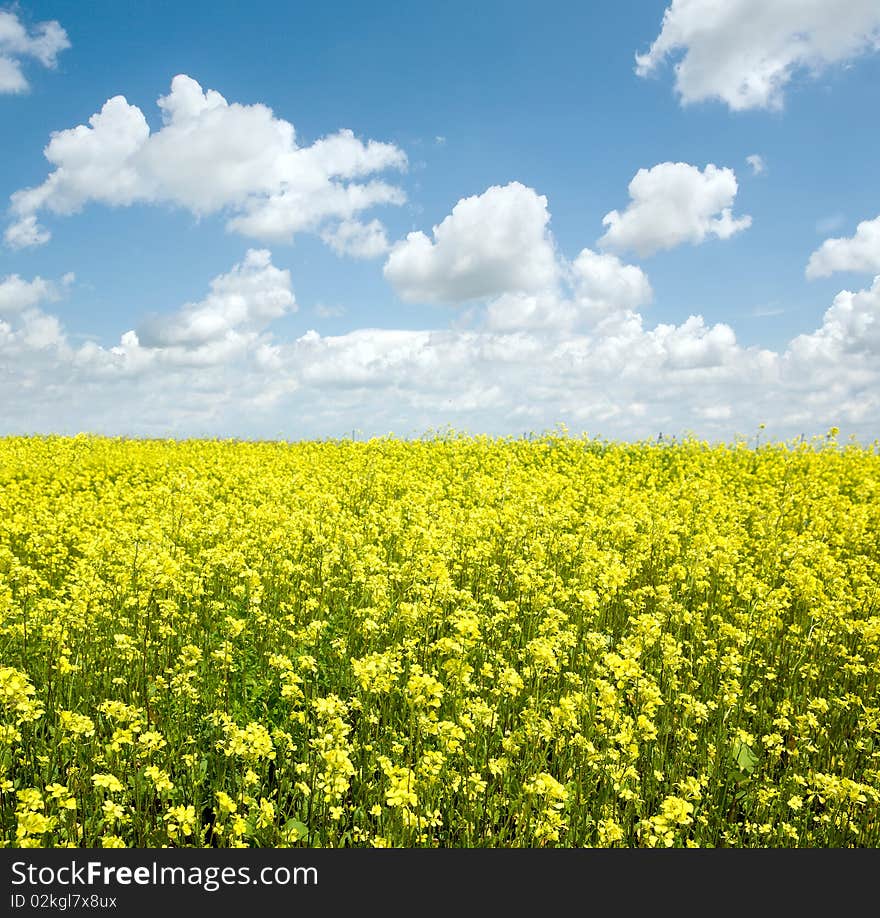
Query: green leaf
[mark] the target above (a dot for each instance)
(302, 829)
(744, 757)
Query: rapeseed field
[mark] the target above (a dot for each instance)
(454, 641)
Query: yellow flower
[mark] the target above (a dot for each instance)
(112, 811)
(180, 821)
(266, 816)
(112, 841)
(77, 725)
(30, 798)
(161, 780)
(152, 741)
(451, 640)
(545, 786)
(676, 810)
(226, 804)
(34, 824)
(108, 782)
(61, 794)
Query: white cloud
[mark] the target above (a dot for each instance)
(210, 156)
(757, 163)
(746, 52)
(202, 364)
(35, 358)
(851, 327)
(497, 247)
(215, 367)
(359, 240)
(673, 203)
(18, 295)
(604, 284)
(592, 289)
(575, 349)
(694, 345)
(547, 309)
(860, 252)
(493, 243)
(41, 332)
(25, 233)
(246, 300)
(43, 43)
(11, 78)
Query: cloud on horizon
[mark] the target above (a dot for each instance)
(578, 352)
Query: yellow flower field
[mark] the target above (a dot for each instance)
(451, 641)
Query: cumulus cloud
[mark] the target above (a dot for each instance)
(35, 357)
(573, 347)
(217, 367)
(860, 252)
(851, 327)
(26, 232)
(694, 345)
(18, 295)
(496, 249)
(493, 243)
(359, 240)
(549, 309)
(245, 300)
(604, 284)
(591, 289)
(210, 156)
(746, 52)
(673, 203)
(43, 43)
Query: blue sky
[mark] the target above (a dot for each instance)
(500, 326)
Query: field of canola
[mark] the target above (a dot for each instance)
(446, 642)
